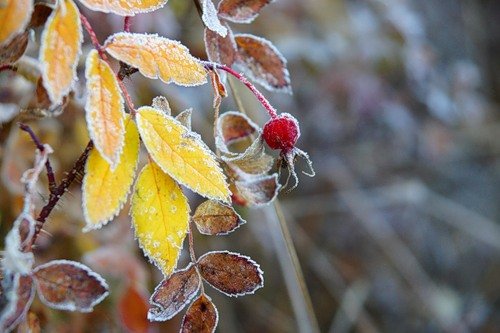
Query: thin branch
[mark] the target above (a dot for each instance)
(50, 172)
(262, 99)
(59, 191)
(93, 36)
(100, 49)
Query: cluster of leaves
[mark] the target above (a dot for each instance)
(176, 155)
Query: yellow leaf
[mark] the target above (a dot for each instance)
(181, 153)
(60, 49)
(104, 190)
(14, 16)
(160, 214)
(124, 7)
(157, 57)
(104, 109)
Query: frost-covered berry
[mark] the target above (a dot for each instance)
(281, 132)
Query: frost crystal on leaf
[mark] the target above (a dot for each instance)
(201, 317)
(174, 293)
(231, 273)
(69, 285)
(210, 18)
(263, 63)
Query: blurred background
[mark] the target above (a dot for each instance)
(399, 230)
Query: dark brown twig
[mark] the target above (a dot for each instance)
(59, 191)
(50, 172)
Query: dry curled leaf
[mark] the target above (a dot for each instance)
(233, 127)
(17, 295)
(14, 17)
(104, 109)
(133, 309)
(210, 19)
(181, 154)
(201, 316)
(220, 49)
(69, 285)
(173, 294)
(241, 11)
(256, 191)
(263, 63)
(60, 49)
(124, 7)
(104, 190)
(10, 52)
(160, 215)
(231, 273)
(213, 218)
(157, 57)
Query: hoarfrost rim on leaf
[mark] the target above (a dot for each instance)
(71, 307)
(122, 12)
(260, 272)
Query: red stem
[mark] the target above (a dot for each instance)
(93, 36)
(127, 23)
(100, 49)
(262, 99)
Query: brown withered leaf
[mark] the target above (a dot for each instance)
(233, 127)
(218, 87)
(10, 52)
(173, 294)
(241, 11)
(201, 317)
(17, 297)
(231, 273)
(133, 309)
(255, 191)
(69, 285)
(41, 13)
(220, 49)
(214, 218)
(263, 63)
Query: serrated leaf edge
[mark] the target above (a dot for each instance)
(89, 226)
(188, 301)
(65, 306)
(202, 144)
(255, 264)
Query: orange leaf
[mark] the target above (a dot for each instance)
(60, 49)
(124, 7)
(14, 16)
(104, 109)
(157, 57)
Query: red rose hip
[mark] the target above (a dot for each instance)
(281, 132)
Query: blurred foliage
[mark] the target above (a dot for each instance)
(398, 232)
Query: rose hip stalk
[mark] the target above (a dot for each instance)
(282, 132)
